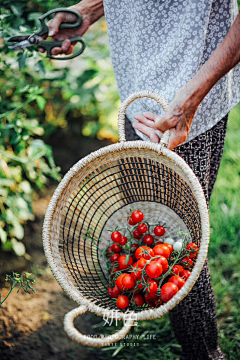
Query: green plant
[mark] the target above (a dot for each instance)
(26, 163)
(23, 281)
(37, 98)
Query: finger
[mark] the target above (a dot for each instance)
(66, 46)
(56, 51)
(55, 23)
(146, 130)
(70, 50)
(144, 120)
(163, 124)
(151, 116)
(41, 50)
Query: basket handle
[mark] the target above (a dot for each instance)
(129, 100)
(75, 335)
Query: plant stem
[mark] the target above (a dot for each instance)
(12, 287)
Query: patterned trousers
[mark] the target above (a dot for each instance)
(194, 318)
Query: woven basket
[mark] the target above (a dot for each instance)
(98, 192)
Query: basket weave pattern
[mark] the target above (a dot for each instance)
(95, 194)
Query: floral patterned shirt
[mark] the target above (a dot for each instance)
(159, 45)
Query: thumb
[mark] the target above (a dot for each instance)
(55, 23)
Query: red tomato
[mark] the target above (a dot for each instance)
(142, 228)
(151, 287)
(159, 230)
(127, 282)
(168, 290)
(114, 292)
(116, 247)
(134, 247)
(151, 299)
(185, 274)
(130, 221)
(163, 261)
(159, 242)
(148, 239)
(177, 280)
(141, 262)
(145, 252)
(192, 247)
(122, 302)
(162, 250)
(187, 263)
(170, 247)
(114, 257)
(109, 251)
(119, 281)
(153, 269)
(122, 262)
(138, 299)
(123, 240)
(137, 234)
(137, 216)
(116, 236)
(136, 271)
(177, 269)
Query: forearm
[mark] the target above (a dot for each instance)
(92, 8)
(224, 58)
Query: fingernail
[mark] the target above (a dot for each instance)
(51, 32)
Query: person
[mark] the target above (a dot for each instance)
(188, 51)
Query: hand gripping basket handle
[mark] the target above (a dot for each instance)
(75, 335)
(129, 100)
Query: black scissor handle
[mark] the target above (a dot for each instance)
(44, 27)
(49, 45)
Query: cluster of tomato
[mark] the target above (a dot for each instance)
(151, 275)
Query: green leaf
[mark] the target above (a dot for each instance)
(16, 9)
(15, 139)
(7, 246)
(18, 247)
(22, 56)
(3, 235)
(22, 90)
(40, 67)
(41, 101)
(18, 230)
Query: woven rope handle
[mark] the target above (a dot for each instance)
(128, 101)
(75, 335)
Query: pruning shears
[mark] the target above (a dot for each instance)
(24, 41)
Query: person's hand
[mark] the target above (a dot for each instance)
(90, 11)
(178, 119)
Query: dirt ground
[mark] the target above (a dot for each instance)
(31, 326)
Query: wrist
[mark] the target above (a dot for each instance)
(92, 9)
(197, 88)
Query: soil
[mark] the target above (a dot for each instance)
(31, 325)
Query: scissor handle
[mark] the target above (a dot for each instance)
(49, 45)
(44, 27)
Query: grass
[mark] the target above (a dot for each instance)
(155, 339)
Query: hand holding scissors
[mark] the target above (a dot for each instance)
(37, 38)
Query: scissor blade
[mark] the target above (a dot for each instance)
(21, 45)
(18, 38)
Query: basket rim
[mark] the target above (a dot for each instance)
(57, 267)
